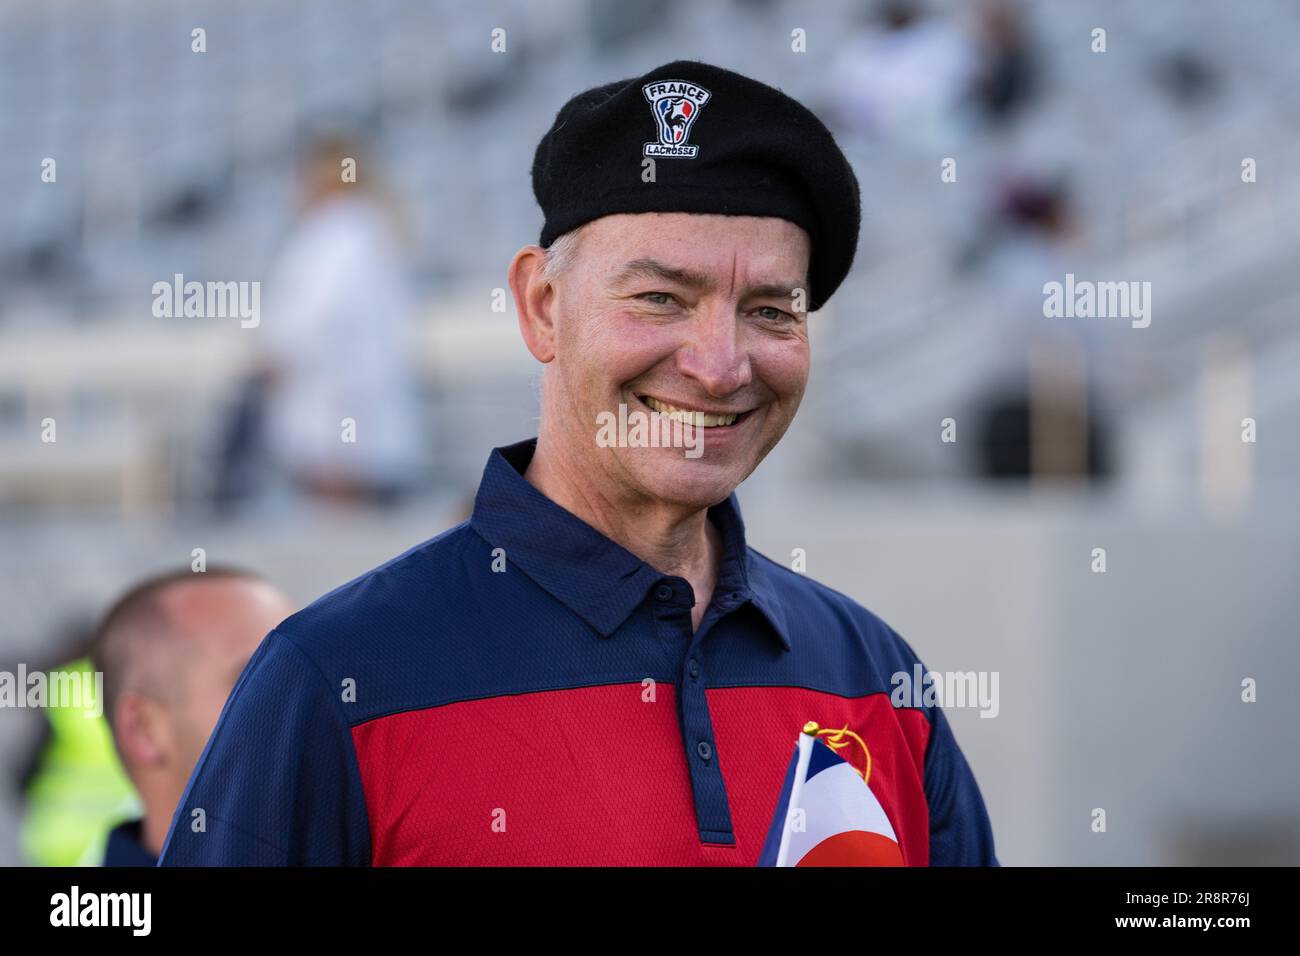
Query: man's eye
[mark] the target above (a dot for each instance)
(774, 314)
(657, 298)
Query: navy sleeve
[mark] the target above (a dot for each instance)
(278, 782)
(960, 834)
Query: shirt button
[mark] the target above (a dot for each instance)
(693, 668)
(663, 592)
(704, 750)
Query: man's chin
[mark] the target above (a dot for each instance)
(669, 476)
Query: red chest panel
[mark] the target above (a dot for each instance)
(597, 776)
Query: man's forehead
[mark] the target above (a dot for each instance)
(755, 249)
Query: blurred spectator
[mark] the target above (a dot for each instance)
(171, 650)
(335, 333)
(1187, 77)
(901, 78)
(73, 787)
(1045, 389)
(1004, 77)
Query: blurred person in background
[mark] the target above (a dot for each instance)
(171, 650)
(1005, 75)
(72, 786)
(1042, 408)
(902, 77)
(335, 338)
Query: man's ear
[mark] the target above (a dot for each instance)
(141, 731)
(534, 301)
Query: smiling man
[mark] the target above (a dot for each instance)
(595, 668)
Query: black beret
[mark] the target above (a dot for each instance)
(722, 143)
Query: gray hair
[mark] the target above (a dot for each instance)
(560, 254)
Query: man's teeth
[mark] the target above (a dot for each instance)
(688, 417)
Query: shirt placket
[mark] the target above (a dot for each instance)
(673, 599)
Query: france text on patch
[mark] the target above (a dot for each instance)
(675, 104)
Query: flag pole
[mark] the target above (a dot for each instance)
(807, 738)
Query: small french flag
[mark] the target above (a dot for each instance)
(827, 815)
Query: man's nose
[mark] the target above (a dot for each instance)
(714, 354)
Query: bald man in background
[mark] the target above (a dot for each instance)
(171, 650)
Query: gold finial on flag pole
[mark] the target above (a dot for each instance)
(839, 739)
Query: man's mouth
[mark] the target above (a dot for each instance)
(693, 416)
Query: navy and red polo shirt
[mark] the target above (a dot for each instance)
(520, 690)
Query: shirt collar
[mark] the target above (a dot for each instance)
(597, 579)
(126, 847)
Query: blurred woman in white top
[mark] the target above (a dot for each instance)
(342, 416)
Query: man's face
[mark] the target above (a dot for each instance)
(677, 311)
